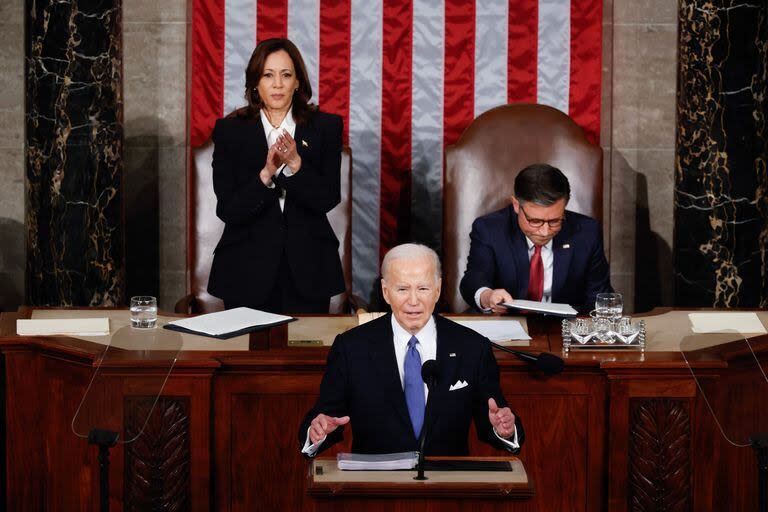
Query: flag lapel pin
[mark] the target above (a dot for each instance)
(304, 143)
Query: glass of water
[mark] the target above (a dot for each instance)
(143, 312)
(609, 305)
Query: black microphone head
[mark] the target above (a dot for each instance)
(430, 372)
(549, 363)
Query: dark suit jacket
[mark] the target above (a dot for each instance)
(498, 258)
(256, 232)
(362, 381)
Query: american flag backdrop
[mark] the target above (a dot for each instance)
(407, 76)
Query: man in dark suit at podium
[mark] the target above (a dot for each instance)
(535, 249)
(373, 376)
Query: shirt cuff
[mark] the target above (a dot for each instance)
(477, 299)
(311, 449)
(511, 442)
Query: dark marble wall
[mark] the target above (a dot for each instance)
(74, 217)
(721, 180)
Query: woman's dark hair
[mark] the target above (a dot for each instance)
(301, 108)
(542, 184)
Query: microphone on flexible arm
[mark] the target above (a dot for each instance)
(430, 374)
(548, 363)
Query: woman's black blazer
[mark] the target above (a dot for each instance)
(256, 233)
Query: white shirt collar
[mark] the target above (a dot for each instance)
(427, 345)
(426, 333)
(288, 124)
(547, 246)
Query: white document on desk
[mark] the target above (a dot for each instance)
(743, 323)
(551, 308)
(497, 330)
(63, 327)
(231, 321)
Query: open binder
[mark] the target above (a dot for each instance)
(228, 324)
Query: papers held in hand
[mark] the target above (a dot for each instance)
(228, 324)
(377, 462)
(550, 308)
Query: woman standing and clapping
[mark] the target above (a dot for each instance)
(276, 176)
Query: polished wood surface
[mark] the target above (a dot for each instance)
(230, 419)
(444, 490)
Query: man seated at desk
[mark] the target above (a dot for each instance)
(535, 249)
(373, 376)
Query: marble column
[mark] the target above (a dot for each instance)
(721, 180)
(74, 215)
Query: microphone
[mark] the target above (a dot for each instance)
(548, 363)
(430, 374)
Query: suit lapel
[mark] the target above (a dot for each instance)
(384, 363)
(562, 251)
(259, 138)
(300, 136)
(305, 139)
(448, 364)
(519, 249)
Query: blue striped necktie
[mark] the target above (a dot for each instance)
(414, 386)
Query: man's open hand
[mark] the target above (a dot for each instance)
(323, 425)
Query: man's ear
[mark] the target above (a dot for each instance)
(385, 291)
(515, 204)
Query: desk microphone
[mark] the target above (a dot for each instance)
(430, 374)
(548, 363)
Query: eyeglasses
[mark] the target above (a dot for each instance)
(537, 223)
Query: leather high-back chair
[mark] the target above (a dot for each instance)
(480, 171)
(204, 229)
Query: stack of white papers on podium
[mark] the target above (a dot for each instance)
(711, 322)
(63, 327)
(552, 308)
(377, 462)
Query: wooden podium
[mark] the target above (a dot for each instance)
(598, 434)
(336, 490)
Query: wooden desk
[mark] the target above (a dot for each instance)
(597, 434)
(335, 490)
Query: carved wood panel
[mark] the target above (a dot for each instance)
(659, 455)
(157, 463)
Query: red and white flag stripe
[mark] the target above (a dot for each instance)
(407, 76)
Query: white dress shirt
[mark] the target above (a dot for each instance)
(272, 133)
(427, 347)
(547, 260)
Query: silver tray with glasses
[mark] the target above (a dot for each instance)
(605, 329)
(591, 333)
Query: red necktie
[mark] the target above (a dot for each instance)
(536, 277)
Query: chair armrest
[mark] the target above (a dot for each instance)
(357, 304)
(185, 304)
